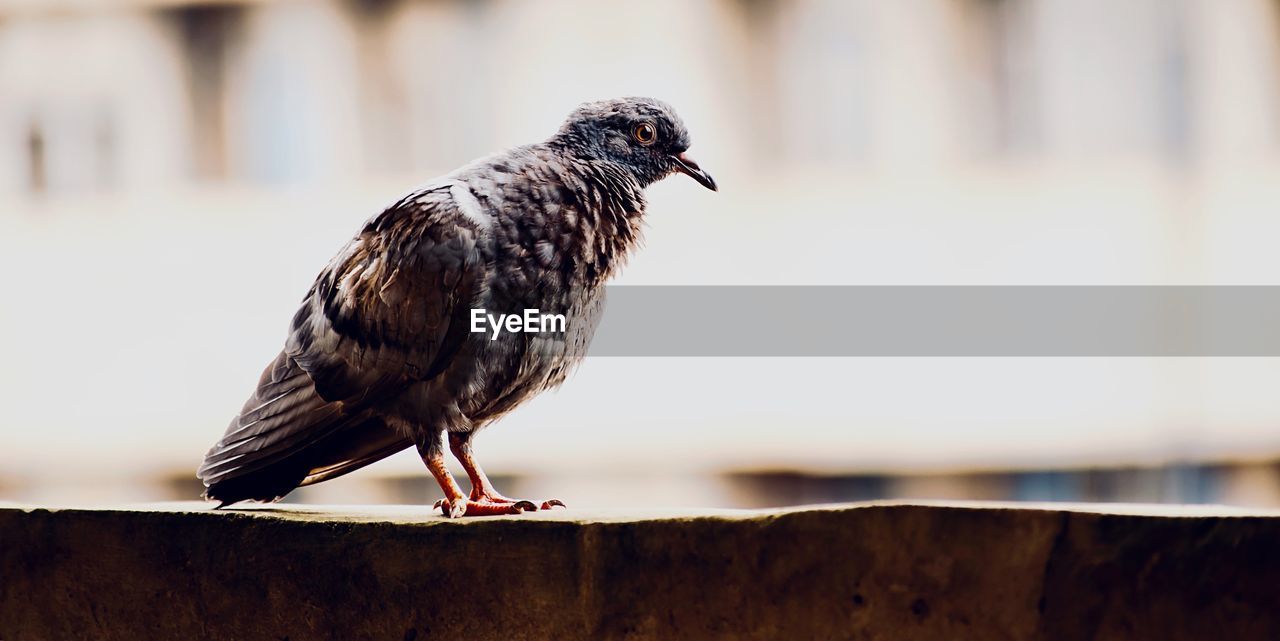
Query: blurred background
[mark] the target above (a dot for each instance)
(174, 174)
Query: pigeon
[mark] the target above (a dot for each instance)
(383, 353)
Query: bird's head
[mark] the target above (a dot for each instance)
(643, 135)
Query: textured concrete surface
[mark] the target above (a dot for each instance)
(872, 571)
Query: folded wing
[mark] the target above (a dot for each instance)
(390, 309)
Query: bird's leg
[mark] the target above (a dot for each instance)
(482, 490)
(481, 487)
(455, 503)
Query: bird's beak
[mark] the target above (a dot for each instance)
(686, 165)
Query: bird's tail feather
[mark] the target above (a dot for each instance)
(287, 436)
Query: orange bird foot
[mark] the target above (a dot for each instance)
(487, 506)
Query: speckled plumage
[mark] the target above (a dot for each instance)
(380, 356)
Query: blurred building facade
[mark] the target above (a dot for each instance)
(98, 95)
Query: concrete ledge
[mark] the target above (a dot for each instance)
(874, 571)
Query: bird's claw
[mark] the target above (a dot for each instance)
(470, 507)
(451, 509)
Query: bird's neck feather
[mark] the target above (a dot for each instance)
(610, 202)
(590, 210)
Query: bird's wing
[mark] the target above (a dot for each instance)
(390, 309)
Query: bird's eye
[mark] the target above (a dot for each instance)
(645, 134)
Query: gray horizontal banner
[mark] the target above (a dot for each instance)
(940, 321)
